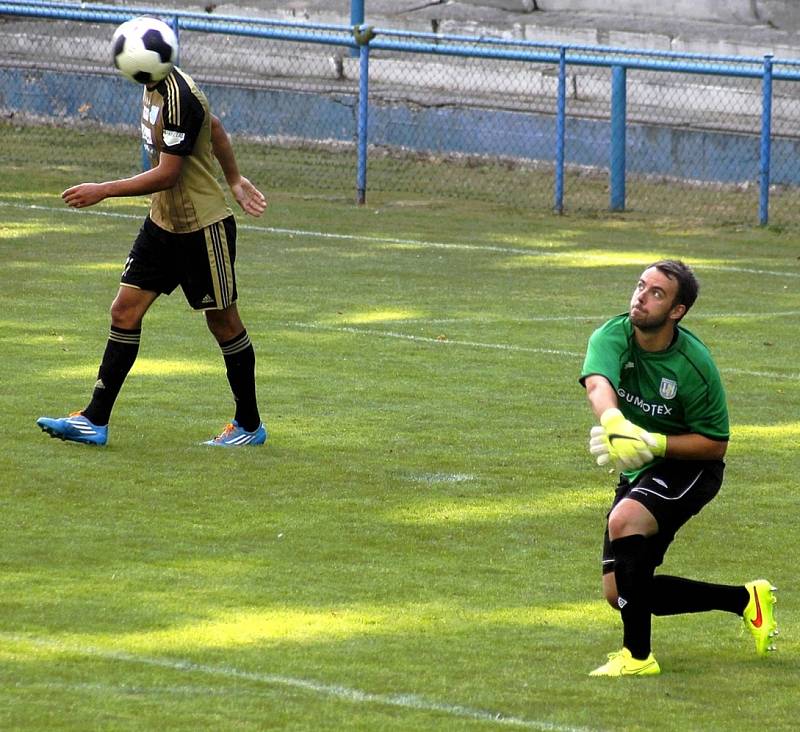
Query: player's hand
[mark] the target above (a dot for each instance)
(599, 446)
(627, 447)
(84, 194)
(249, 197)
(605, 454)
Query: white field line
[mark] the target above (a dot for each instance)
(762, 374)
(432, 478)
(421, 243)
(599, 319)
(424, 339)
(500, 346)
(342, 693)
(746, 316)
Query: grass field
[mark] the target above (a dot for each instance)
(417, 546)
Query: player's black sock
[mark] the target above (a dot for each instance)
(675, 595)
(240, 364)
(633, 571)
(121, 350)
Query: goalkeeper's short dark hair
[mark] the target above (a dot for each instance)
(688, 286)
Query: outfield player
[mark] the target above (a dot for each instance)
(664, 422)
(188, 239)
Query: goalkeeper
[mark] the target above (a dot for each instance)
(663, 422)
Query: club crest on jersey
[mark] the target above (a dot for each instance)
(668, 388)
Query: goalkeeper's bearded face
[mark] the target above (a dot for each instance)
(653, 303)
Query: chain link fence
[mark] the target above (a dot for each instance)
(448, 116)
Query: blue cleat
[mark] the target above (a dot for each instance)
(75, 428)
(234, 436)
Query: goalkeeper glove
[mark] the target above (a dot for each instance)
(654, 440)
(599, 445)
(627, 446)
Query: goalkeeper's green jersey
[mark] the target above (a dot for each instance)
(674, 391)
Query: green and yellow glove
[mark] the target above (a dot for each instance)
(654, 440)
(625, 444)
(599, 445)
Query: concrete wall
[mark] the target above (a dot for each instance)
(727, 11)
(779, 13)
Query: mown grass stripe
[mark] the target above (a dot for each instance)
(420, 243)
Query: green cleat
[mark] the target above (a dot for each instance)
(759, 615)
(621, 663)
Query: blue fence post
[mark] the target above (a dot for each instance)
(356, 19)
(766, 142)
(363, 35)
(561, 113)
(617, 162)
(176, 30)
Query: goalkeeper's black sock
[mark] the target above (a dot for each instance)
(633, 571)
(121, 351)
(240, 364)
(676, 595)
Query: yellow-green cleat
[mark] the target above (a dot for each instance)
(759, 615)
(621, 663)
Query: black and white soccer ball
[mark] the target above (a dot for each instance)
(145, 49)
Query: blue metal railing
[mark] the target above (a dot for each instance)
(619, 105)
(356, 18)
(766, 138)
(361, 43)
(561, 123)
(363, 123)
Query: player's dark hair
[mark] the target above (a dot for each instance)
(688, 286)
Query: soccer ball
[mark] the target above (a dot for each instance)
(144, 49)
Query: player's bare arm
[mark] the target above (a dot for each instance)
(692, 446)
(600, 393)
(163, 176)
(250, 199)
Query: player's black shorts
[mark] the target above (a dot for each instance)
(673, 491)
(201, 262)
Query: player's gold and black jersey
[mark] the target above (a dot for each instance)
(176, 119)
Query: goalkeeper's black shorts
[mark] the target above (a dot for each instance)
(673, 491)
